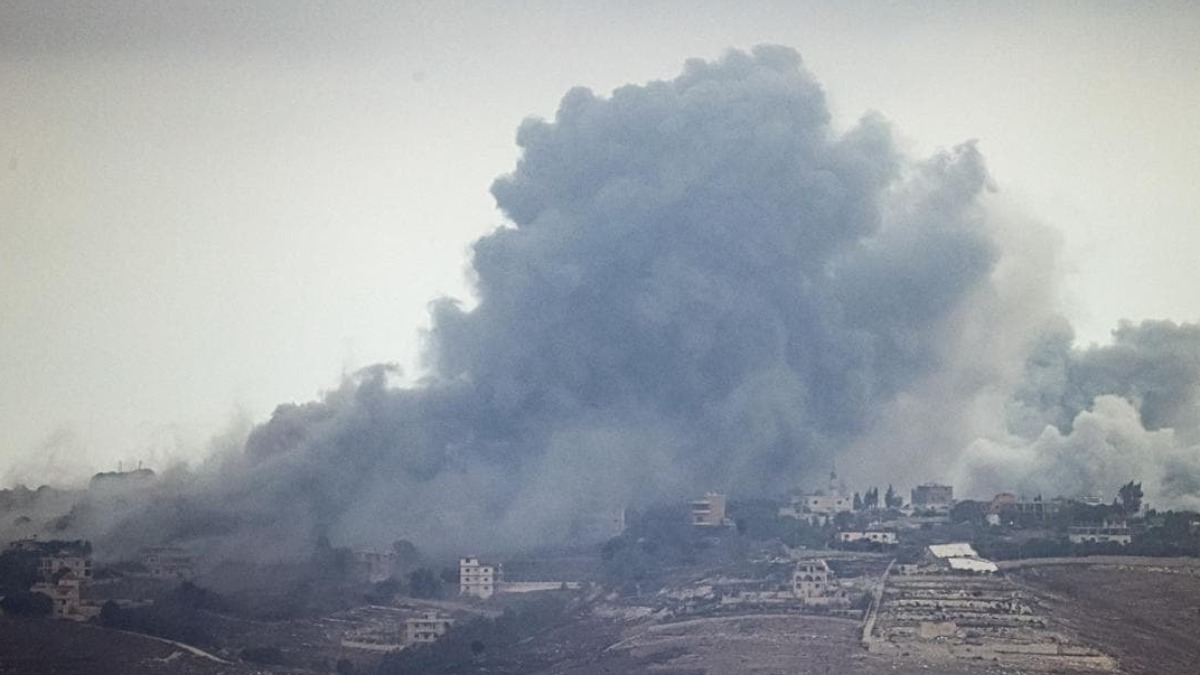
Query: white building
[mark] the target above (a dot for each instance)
(1107, 533)
(709, 511)
(476, 579)
(811, 579)
(426, 628)
(874, 536)
(817, 508)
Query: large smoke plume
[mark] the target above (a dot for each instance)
(704, 284)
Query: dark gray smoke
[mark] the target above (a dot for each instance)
(702, 285)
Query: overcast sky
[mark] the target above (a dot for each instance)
(210, 208)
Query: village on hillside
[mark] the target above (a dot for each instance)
(923, 578)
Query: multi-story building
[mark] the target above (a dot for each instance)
(76, 565)
(66, 594)
(476, 579)
(427, 628)
(813, 583)
(1105, 533)
(167, 562)
(817, 508)
(933, 496)
(374, 566)
(1009, 506)
(709, 511)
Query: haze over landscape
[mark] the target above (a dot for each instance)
(899, 251)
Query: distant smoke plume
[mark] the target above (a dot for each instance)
(1082, 422)
(705, 285)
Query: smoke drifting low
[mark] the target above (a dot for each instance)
(704, 284)
(1084, 421)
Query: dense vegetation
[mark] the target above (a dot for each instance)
(479, 645)
(176, 616)
(19, 567)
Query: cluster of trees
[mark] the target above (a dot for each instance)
(655, 539)
(19, 571)
(1127, 503)
(759, 520)
(478, 645)
(177, 616)
(1129, 498)
(25, 604)
(870, 499)
(19, 567)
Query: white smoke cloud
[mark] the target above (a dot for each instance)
(1105, 447)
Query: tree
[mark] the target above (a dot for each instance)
(858, 502)
(871, 498)
(408, 557)
(111, 615)
(1130, 497)
(969, 511)
(423, 583)
(892, 500)
(27, 604)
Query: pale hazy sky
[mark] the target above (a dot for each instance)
(210, 208)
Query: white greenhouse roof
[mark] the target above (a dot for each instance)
(973, 565)
(959, 550)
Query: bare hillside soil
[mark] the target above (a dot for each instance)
(1146, 617)
(44, 646)
(758, 644)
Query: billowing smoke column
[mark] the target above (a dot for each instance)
(1084, 421)
(704, 285)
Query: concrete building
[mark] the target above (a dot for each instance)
(709, 511)
(66, 594)
(933, 497)
(597, 524)
(476, 579)
(426, 628)
(881, 537)
(817, 508)
(167, 562)
(820, 506)
(374, 566)
(1106, 533)
(828, 504)
(1009, 507)
(63, 577)
(811, 579)
(813, 584)
(76, 565)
